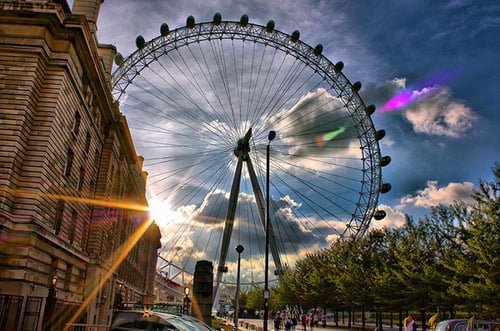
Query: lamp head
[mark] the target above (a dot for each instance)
(53, 281)
(186, 290)
(240, 249)
(271, 136)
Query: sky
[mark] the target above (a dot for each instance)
(430, 67)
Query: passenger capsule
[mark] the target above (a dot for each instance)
(217, 18)
(370, 110)
(384, 188)
(270, 26)
(318, 49)
(379, 215)
(295, 36)
(140, 42)
(338, 67)
(356, 87)
(118, 59)
(244, 20)
(190, 22)
(164, 30)
(380, 134)
(385, 160)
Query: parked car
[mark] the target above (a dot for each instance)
(467, 325)
(156, 321)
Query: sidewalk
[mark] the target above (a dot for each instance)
(257, 325)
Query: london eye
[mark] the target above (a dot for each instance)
(201, 101)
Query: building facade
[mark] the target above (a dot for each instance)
(70, 179)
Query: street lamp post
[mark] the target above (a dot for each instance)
(239, 250)
(51, 302)
(185, 307)
(270, 137)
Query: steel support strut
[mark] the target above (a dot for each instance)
(241, 151)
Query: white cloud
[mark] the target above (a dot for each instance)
(438, 114)
(433, 195)
(394, 218)
(431, 110)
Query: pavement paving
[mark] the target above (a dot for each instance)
(257, 325)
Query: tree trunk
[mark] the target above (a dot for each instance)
(422, 316)
(363, 319)
(380, 326)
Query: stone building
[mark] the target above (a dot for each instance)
(69, 174)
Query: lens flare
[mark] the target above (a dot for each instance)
(419, 91)
(98, 201)
(321, 140)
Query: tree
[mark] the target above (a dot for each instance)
(477, 264)
(447, 260)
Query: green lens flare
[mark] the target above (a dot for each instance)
(330, 135)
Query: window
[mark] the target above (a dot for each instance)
(87, 142)
(59, 216)
(81, 178)
(97, 157)
(72, 229)
(69, 162)
(76, 124)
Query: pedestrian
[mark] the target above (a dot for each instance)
(294, 322)
(303, 321)
(409, 323)
(434, 320)
(277, 322)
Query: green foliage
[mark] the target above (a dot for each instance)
(255, 298)
(448, 260)
(477, 264)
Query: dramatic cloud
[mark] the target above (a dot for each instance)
(378, 94)
(191, 234)
(431, 110)
(433, 195)
(438, 114)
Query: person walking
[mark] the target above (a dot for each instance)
(288, 323)
(303, 321)
(409, 323)
(277, 322)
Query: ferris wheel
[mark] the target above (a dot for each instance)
(203, 102)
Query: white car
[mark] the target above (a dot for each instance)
(156, 321)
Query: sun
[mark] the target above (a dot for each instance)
(161, 212)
